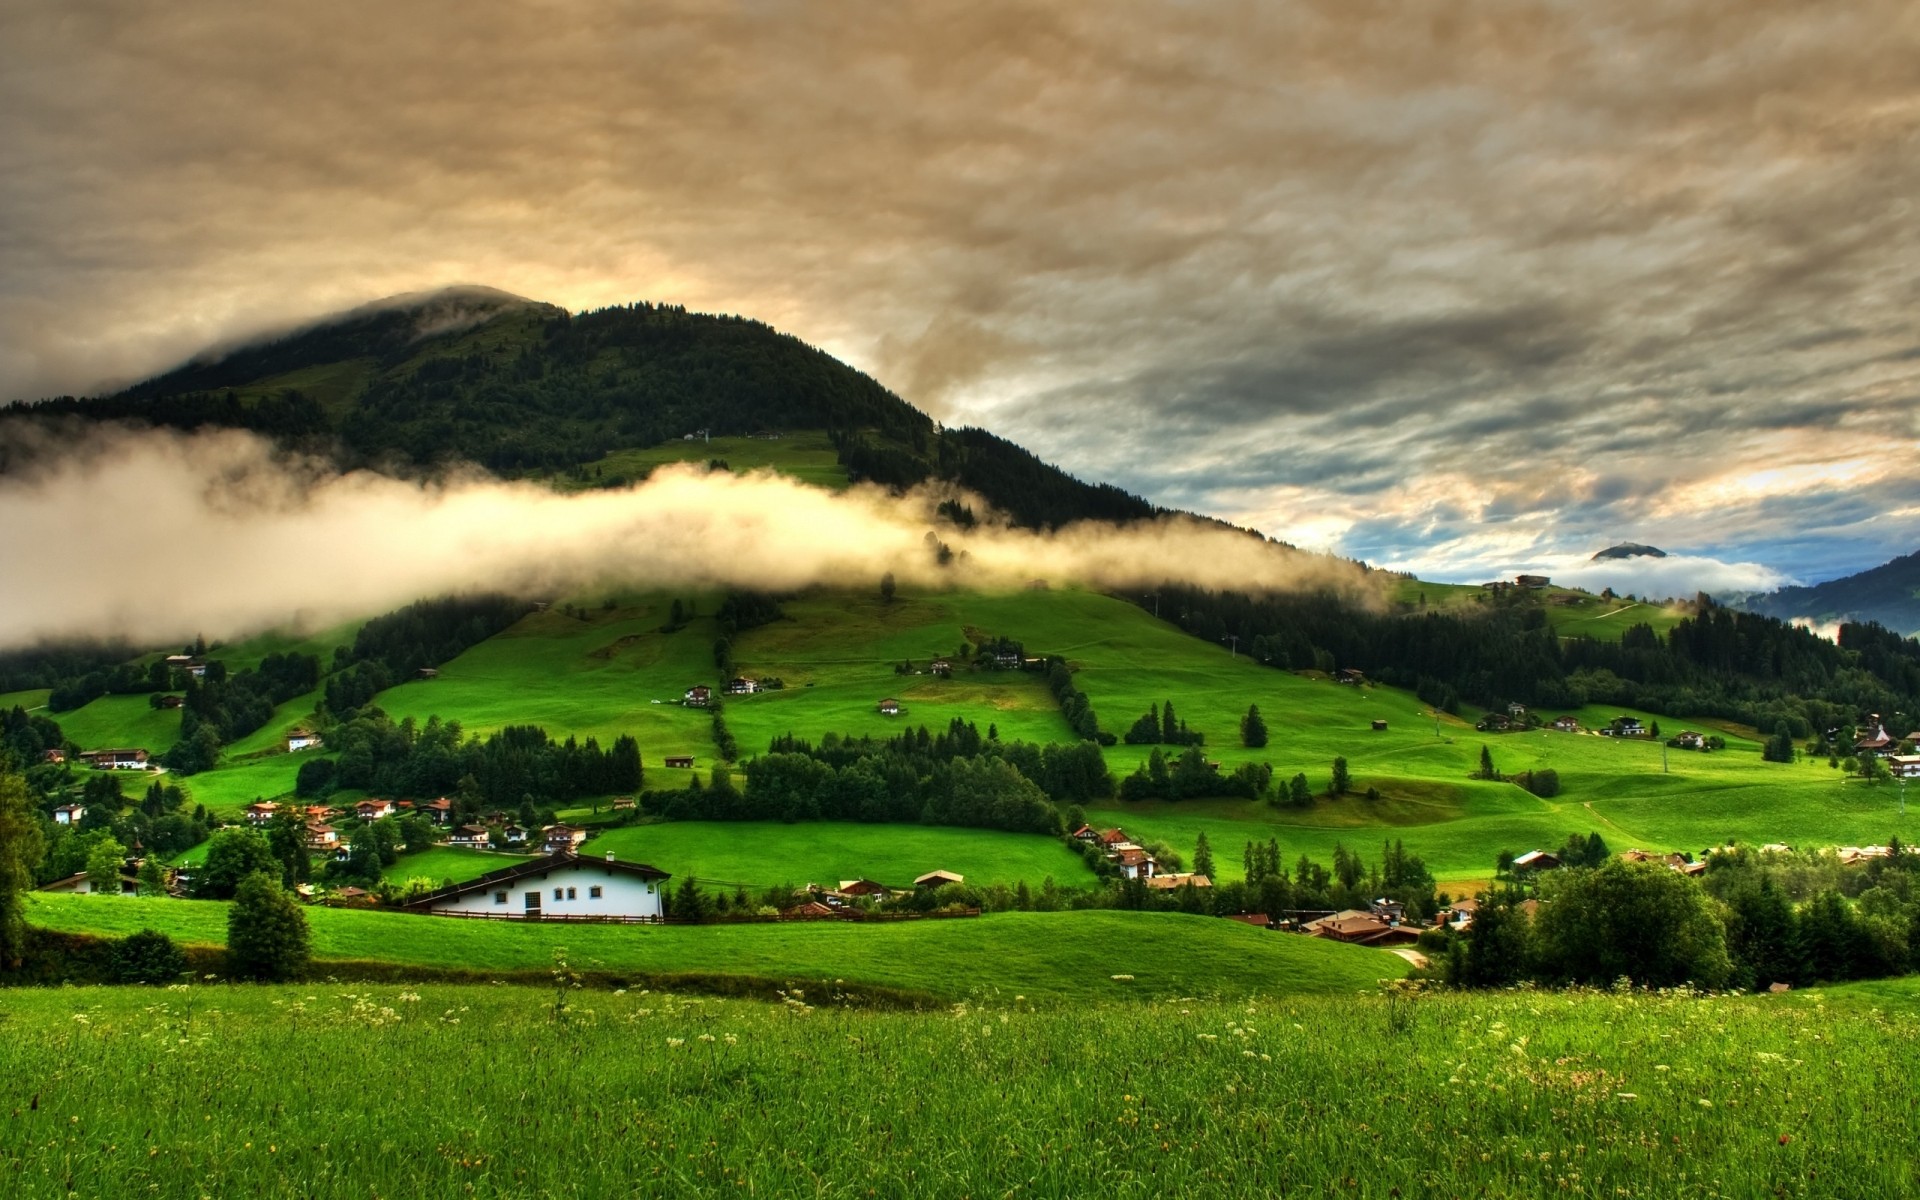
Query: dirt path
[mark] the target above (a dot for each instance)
(1418, 959)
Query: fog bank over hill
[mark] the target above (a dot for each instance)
(155, 535)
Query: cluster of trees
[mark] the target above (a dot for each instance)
(393, 648)
(51, 666)
(1191, 775)
(1074, 705)
(1717, 662)
(516, 765)
(1159, 726)
(1310, 887)
(1750, 920)
(220, 708)
(956, 777)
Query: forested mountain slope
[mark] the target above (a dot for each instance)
(523, 388)
(1888, 594)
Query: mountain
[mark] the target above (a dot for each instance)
(1888, 594)
(524, 388)
(1629, 550)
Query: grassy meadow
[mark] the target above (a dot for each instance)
(1063, 956)
(338, 1090)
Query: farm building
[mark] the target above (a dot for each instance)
(322, 837)
(69, 814)
(120, 759)
(742, 686)
(1904, 766)
(1625, 727)
(1087, 833)
(940, 666)
(560, 886)
(440, 811)
(679, 761)
(889, 707)
(1536, 860)
(171, 701)
(700, 696)
(1176, 879)
(470, 837)
(862, 887)
(302, 739)
(562, 839)
(1687, 739)
(1532, 582)
(1359, 928)
(1379, 726)
(80, 885)
(427, 673)
(934, 879)
(1875, 741)
(1134, 862)
(262, 812)
(373, 810)
(55, 756)
(1567, 724)
(1350, 675)
(516, 835)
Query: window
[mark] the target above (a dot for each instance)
(499, 897)
(533, 901)
(573, 893)
(559, 894)
(593, 893)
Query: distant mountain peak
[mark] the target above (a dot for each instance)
(1629, 550)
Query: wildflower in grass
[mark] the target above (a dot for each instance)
(1705, 1103)
(706, 1037)
(672, 1041)
(1122, 978)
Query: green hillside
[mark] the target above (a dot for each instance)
(1043, 956)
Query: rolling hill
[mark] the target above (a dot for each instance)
(1888, 595)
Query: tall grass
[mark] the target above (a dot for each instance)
(349, 1090)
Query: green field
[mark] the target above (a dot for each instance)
(763, 854)
(1053, 956)
(355, 1090)
(448, 864)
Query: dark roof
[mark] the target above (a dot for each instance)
(537, 866)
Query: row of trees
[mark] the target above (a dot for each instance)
(1160, 726)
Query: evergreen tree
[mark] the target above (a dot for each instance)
(689, 904)
(1299, 791)
(266, 932)
(1253, 730)
(1341, 780)
(1486, 765)
(887, 587)
(21, 847)
(1203, 856)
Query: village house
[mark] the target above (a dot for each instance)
(302, 739)
(1536, 860)
(1350, 675)
(558, 887)
(319, 814)
(1458, 915)
(322, 837)
(79, 885)
(889, 707)
(1532, 582)
(440, 811)
(856, 889)
(470, 837)
(1391, 911)
(622, 803)
(742, 686)
(562, 839)
(172, 701)
(934, 879)
(1359, 928)
(1494, 723)
(119, 759)
(1624, 727)
(1087, 833)
(55, 756)
(1173, 880)
(1687, 739)
(940, 666)
(1114, 837)
(427, 673)
(700, 696)
(1904, 766)
(1134, 862)
(516, 835)
(679, 761)
(1379, 726)
(261, 813)
(1566, 724)
(1517, 711)
(1875, 741)
(69, 814)
(374, 810)
(809, 910)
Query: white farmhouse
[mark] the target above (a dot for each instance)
(560, 886)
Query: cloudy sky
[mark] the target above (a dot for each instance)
(1455, 288)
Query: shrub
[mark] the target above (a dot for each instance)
(149, 957)
(266, 931)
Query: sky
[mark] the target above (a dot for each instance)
(1465, 290)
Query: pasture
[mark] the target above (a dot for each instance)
(1062, 956)
(495, 1091)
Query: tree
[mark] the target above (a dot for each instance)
(688, 902)
(887, 587)
(232, 855)
(153, 880)
(1203, 856)
(21, 848)
(1299, 792)
(148, 957)
(266, 931)
(1253, 730)
(1341, 780)
(1169, 725)
(288, 841)
(104, 863)
(1654, 926)
(1486, 765)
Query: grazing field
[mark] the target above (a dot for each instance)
(448, 864)
(761, 854)
(489, 1092)
(1044, 956)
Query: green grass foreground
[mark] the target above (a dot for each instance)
(1044, 956)
(350, 1091)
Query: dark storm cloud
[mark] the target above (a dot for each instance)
(1364, 274)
